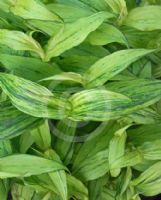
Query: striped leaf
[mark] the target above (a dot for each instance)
(32, 98)
(41, 136)
(145, 18)
(106, 34)
(73, 34)
(32, 9)
(117, 149)
(26, 67)
(64, 132)
(141, 98)
(18, 40)
(23, 165)
(97, 105)
(58, 178)
(66, 76)
(111, 65)
(13, 122)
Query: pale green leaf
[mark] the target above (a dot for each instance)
(23, 165)
(32, 9)
(32, 98)
(145, 18)
(18, 40)
(111, 65)
(73, 34)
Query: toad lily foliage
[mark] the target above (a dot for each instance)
(80, 97)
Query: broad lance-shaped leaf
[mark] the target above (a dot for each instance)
(94, 167)
(145, 18)
(26, 67)
(97, 105)
(102, 136)
(33, 9)
(32, 98)
(117, 149)
(23, 165)
(44, 183)
(141, 98)
(111, 65)
(149, 183)
(41, 136)
(5, 149)
(150, 189)
(106, 34)
(76, 188)
(145, 133)
(91, 161)
(58, 178)
(151, 150)
(73, 34)
(69, 13)
(13, 122)
(130, 158)
(18, 40)
(25, 142)
(64, 132)
(126, 177)
(3, 190)
(95, 189)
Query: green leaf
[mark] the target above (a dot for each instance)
(151, 150)
(76, 188)
(95, 189)
(128, 159)
(102, 136)
(141, 98)
(117, 149)
(65, 132)
(111, 65)
(69, 13)
(145, 133)
(23, 165)
(41, 136)
(94, 167)
(59, 177)
(97, 105)
(73, 34)
(4, 5)
(13, 122)
(118, 7)
(27, 67)
(66, 76)
(32, 9)
(5, 148)
(21, 192)
(19, 41)
(106, 34)
(3, 191)
(147, 18)
(32, 98)
(25, 142)
(148, 183)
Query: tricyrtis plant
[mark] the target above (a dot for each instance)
(80, 97)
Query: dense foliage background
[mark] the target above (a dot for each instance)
(80, 99)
